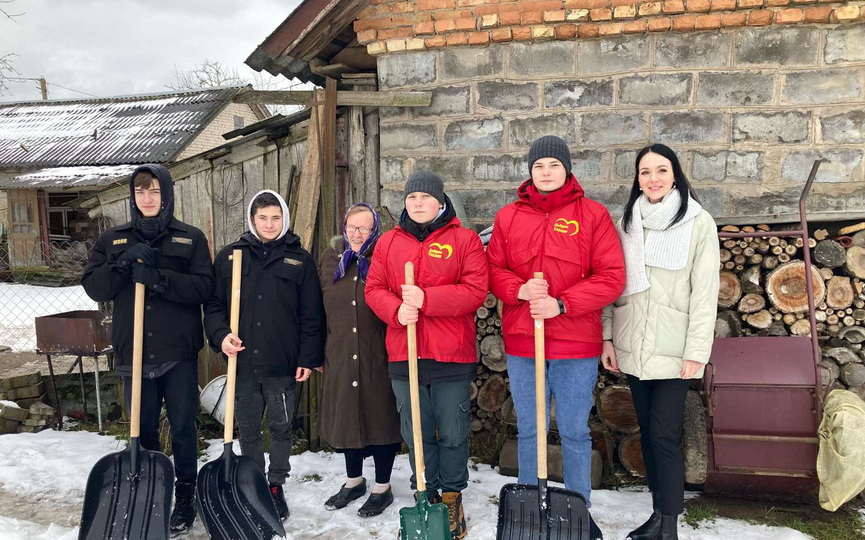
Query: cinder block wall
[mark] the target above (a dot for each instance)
(748, 109)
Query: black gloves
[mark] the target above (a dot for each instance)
(146, 274)
(139, 252)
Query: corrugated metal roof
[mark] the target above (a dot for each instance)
(107, 131)
(68, 177)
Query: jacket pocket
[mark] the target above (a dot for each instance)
(291, 272)
(175, 249)
(671, 331)
(623, 327)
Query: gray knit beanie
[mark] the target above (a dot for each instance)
(426, 182)
(550, 146)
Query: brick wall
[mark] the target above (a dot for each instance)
(400, 25)
(211, 137)
(747, 109)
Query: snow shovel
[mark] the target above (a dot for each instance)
(128, 494)
(423, 521)
(528, 512)
(234, 499)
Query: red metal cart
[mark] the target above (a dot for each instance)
(765, 403)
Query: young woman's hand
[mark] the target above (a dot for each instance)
(608, 357)
(544, 308)
(689, 368)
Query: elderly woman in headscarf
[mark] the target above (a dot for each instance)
(358, 414)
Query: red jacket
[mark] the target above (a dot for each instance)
(452, 270)
(573, 241)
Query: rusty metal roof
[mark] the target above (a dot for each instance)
(152, 128)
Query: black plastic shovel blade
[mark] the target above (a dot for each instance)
(565, 517)
(122, 503)
(236, 505)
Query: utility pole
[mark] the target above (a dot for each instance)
(43, 86)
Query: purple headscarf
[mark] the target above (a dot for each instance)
(348, 255)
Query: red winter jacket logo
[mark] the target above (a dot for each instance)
(564, 226)
(437, 250)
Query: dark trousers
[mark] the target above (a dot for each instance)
(250, 398)
(443, 406)
(659, 405)
(178, 389)
(382, 454)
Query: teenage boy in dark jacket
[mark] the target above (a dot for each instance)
(172, 260)
(281, 335)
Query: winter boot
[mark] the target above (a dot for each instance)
(456, 515)
(594, 531)
(183, 515)
(669, 528)
(432, 495)
(376, 504)
(345, 495)
(279, 501)
(649, 529)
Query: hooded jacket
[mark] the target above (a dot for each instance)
(281, 312)
(172, 316)
(573, 241)
(450, 267)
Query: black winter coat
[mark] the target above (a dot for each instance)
(282, 323)
(172, 316)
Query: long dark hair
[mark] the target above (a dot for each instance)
(680, 183)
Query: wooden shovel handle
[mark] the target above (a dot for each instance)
(137, 355)
(541, 393)
(414, 392)
(234, 323)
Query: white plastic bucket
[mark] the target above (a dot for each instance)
(212, 398)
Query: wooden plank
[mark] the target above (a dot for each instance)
(327, 219)
(253, 173)
(343, 98)
(271, 170)
(309, 185)
(178, 201)
(371, 155)
(356, 155)
(342, 179)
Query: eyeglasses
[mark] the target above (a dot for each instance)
(363, 230)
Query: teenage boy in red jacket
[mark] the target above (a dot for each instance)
(451, 277)
(553, 228)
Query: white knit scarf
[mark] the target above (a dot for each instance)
(659, 246)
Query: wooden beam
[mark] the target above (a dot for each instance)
(343, 98)
(309, 187)
(327, 220)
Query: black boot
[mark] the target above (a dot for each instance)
(649, 529)
(669, 528)
(594, 531)
(183, 515)
(279, 501)
(376, 504)
(345, 495)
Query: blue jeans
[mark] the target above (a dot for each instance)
(571, 382)
(444, 411)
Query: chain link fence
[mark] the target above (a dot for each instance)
(27, 293)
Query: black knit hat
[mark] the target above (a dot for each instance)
(550, 146)
(426, 182)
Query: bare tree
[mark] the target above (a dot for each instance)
(205, 75)
(7, 70)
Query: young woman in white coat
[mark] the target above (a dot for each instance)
(660, 331)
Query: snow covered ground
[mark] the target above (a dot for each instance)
(21, 304)
(43, 475)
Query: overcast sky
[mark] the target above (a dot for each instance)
(120, 47)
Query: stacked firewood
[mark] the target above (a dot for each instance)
(490, 391)
(763, 292)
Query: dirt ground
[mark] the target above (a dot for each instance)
(22, 363)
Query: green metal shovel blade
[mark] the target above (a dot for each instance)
(424, 521)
